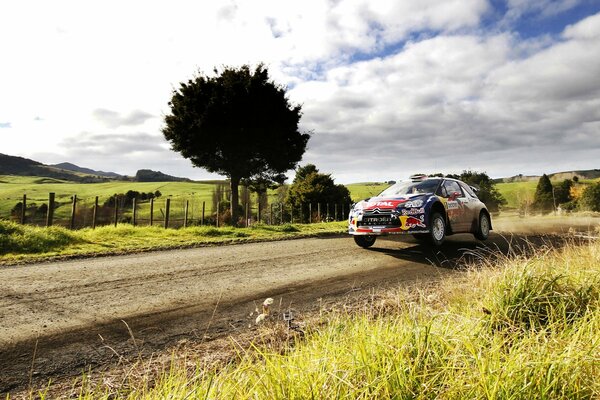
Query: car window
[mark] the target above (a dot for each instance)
(466, 188)
(451, 187)
(404, 188)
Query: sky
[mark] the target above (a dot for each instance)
(387, 88)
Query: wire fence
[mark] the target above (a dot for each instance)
(89, 212)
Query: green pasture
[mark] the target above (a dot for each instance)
(12, 189)
(361, 191)
(517, 193)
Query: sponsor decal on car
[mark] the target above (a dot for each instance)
(452, 204)
(413, 204)
(413, 211)
(382, 204)
(412, 222)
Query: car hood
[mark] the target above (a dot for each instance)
(382, 203)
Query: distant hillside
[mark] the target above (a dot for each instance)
(12, 165)
(147, 175)
(75, 168)
(557, 176)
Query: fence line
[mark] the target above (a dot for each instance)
(77, 213)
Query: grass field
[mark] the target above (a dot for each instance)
(24, 243)
(12, 189)
(512, 328)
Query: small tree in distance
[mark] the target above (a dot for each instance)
(312, 187)
(543, 199)
(238, 124)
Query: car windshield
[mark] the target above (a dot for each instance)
(404, 188)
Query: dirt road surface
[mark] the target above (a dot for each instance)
(56, 319)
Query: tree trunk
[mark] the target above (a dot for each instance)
(235, 199)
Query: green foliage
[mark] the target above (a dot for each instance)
(562, 192)
(239, 124)
(590, 198)
(528, 300)
(27, 240)
(488, 193)
(23, 242)
(543, 199)
(312, 187)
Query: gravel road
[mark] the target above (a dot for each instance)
(61, 317)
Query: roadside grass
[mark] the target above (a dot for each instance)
(514, 328)
(23, 243)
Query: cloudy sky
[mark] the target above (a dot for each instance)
(389, 88)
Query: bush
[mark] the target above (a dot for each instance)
(590, 198)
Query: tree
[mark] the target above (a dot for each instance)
(487, 193)
(312, 187)
(562, 192)
(543, 199)
(590, 198)
(239, 124)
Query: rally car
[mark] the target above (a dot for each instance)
(428, 208)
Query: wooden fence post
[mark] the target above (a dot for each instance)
(319, 212)
(73, 209)
(280, 213)
(23, 208)
(335, 218)
(218, 207)
(185, 214)
(133, 218)
(50, 214)
(151, 211)
(301, 219)
(271, 215)
(343, 213)
(167, 210)
(327, 213)
(247, 215)
(116, 210)
(203, 209)
(310, 213)
(95, 214)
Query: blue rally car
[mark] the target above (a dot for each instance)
(428, 208)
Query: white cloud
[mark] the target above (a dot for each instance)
(415, 84)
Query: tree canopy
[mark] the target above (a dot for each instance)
(487, 193)
(312, 187)
(239, 124)
(590, 198)
(543, 199)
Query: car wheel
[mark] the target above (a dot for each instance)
(483, 227)
(437, 229)
(364, 241)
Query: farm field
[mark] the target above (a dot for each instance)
(12, 189)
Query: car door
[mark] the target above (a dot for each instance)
(459, 214)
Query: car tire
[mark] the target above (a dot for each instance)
(365, 241)
(437, 229)
(483, 227)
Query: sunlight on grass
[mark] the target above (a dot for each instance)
(523, 328)
(23, 242)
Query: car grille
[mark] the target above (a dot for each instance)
(378, 220)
